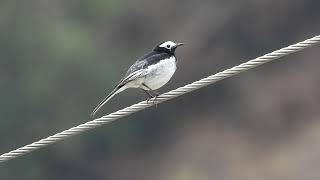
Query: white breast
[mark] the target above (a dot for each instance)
(160, 73)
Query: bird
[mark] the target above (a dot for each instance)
(150, 72)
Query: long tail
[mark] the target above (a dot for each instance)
(106, 99)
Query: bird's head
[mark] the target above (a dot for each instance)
(168, 47)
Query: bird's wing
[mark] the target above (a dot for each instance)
(134, 75)
(137, 70)
(141, 63)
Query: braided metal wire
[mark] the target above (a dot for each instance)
(164, 97)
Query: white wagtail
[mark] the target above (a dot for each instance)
(150, 72)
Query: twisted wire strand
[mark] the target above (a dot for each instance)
(164, 97)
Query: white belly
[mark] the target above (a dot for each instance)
(160, 73)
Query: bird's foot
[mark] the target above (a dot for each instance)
(148, 99)
(153, 99)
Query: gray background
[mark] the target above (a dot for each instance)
(59, 58)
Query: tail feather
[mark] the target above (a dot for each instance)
(105, 100)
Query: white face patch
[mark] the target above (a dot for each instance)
(168, 44)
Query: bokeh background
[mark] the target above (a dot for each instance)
(58, 59)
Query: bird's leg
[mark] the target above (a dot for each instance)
(154, 95)
(149, 95)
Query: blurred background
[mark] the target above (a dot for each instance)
(58, 59)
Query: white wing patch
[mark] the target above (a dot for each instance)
(132, 80)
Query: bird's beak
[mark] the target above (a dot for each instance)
(179, 44)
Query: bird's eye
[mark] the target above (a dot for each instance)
(168, 46)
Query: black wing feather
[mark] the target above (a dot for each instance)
(146, 60)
